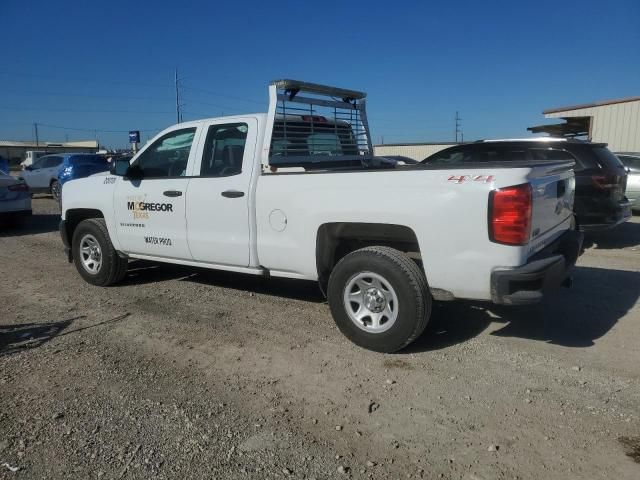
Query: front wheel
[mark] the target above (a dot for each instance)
(94, 256)
(379, 298)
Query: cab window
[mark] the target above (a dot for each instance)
(223, 150)
(168, 156)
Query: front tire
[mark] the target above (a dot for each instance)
(379, 298)
(94, 256)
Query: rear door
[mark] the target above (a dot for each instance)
(218, 198)
(50, 170)
(38, 177)
(600, 185)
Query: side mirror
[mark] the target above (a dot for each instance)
(119, 167)
(134, 172)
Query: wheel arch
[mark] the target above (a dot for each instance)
(337, 239)
(73, 217)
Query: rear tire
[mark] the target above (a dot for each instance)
(95, 258)
(379, 298)
(56, 190)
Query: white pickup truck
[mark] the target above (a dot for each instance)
(297, 193)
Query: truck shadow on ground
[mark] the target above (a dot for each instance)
(573, 317)
(22, 337)
(25, 336)
(142, 272)
(37, 223)
(622, 236)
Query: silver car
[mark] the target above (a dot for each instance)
(15, 198)
(42, 176)
(632, 162)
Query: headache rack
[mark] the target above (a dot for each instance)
(315, 126)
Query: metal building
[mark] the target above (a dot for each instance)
(15, 151)
(417, 151)
(615, 122)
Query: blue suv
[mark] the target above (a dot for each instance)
(79, 165)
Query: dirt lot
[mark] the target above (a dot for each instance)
(197, 374)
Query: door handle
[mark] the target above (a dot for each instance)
(172, 193)
(232, 194)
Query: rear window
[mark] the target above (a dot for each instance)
(299, 143)
(551, 154)
(606, 158)
(83, 160)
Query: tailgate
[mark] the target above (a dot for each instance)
(552, 188)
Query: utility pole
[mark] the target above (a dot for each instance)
(35, 125)
(458, 128)
(178, 114)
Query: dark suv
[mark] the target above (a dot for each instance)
(601, 179)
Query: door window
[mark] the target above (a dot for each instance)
(51, 162)
(38, 164)
(167, 156)
(223, 150)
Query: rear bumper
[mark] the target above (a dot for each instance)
(546, 270)
(595, 223)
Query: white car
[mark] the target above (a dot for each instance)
(42, 176)
(15, 198)
(296, 193)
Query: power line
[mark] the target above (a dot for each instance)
(38, 109)
(231, 97)
(97, 129)
(85, 95)
(89, 80)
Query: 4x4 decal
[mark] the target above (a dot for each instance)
(471, 178)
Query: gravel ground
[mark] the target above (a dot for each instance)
(182, 373)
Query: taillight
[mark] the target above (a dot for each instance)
(18, 187)
(510, 215)
(604, 182)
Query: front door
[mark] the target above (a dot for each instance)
(150, 212)
(218, 193)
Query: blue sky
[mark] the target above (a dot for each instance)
(103, 68)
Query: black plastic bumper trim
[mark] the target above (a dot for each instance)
(546, 270)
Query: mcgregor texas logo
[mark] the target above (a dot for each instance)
(141, 209)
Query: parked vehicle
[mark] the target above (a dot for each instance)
(296, 195)
(15, 198)
(81, 165)
(50, 172)
(42, 176)
(631, 160)
(30, 157)
(600, 201)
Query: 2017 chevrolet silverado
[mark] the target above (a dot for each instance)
(295, 192)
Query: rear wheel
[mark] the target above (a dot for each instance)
(379, 298)
(94, 256)
(56, 190)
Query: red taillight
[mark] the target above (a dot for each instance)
(510, 215)
(19, 187)
(604, 182)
